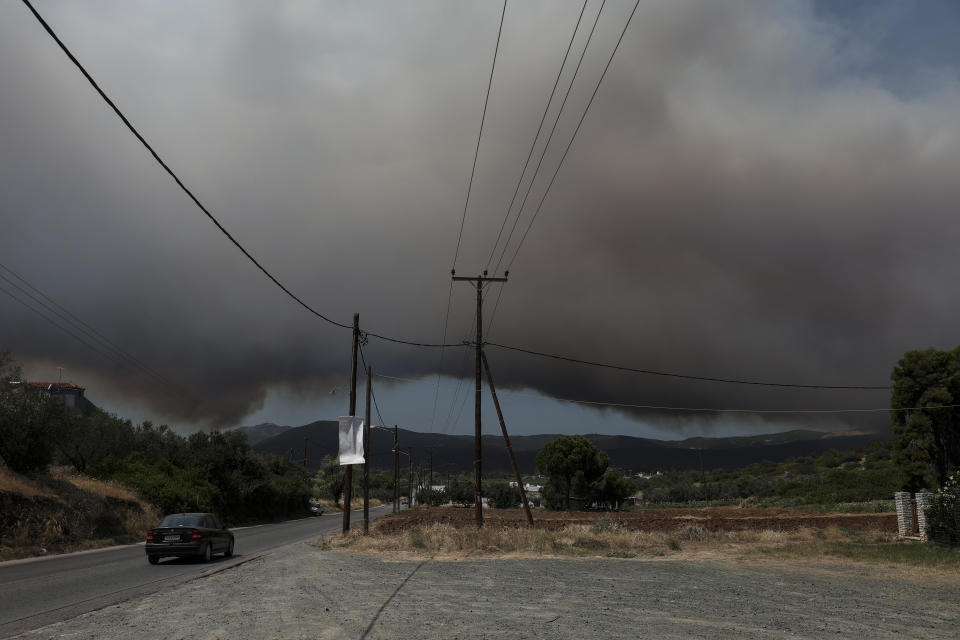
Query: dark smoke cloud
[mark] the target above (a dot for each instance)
(760, 191)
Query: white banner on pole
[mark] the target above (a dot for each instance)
(351, 440)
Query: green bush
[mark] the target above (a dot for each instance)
(943, 514)
(501, 495)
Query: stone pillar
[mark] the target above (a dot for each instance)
(924, 499)
(904, 513)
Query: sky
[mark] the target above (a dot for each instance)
(760, 191)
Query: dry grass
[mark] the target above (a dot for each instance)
(99, 488)
(606, 539)
(826, 548)
(63, 511)
(14, 483)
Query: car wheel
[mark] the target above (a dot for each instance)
(153, 559)
(207, 552)
(229, 551)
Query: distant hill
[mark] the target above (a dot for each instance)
(454, 453)
(260, 432)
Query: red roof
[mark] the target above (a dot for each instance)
(60, 386)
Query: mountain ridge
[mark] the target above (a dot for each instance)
(454, 453)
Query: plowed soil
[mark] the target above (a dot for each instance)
(710, 518)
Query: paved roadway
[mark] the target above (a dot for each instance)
(40, 591)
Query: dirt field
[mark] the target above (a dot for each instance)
(710, 518)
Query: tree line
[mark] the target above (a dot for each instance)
(212, 471)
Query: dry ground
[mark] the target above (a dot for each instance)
(707, 518)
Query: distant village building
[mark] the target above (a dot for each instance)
(69, 393)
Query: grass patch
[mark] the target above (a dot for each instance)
(875, 549)
(609, 540)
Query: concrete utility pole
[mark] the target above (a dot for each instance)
(506, 439)
(477, 447)
(348, 472)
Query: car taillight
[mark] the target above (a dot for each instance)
(196, 534)
(150, 535)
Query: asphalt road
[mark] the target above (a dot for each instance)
(40, 591)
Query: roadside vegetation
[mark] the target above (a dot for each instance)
(164, 471)
(854, 481)
(606, 539)
(63, 511)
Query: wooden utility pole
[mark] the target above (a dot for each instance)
(506, 439)
(410, 479)
(396, 469)
(431, 477)
(366, 456)
(348, 472)
(304, 452)
(477, 447)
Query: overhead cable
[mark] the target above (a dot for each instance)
(621, 405)
(666, 374)
(196, 200)
(553, 130)
(533, 145)
(574, 136)
(39, 297)
(483, 119)
(99, 351)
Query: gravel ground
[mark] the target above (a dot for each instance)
(301, 592)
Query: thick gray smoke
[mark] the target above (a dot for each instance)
(761, 190)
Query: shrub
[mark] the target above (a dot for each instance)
(943, 514)
(503, 496)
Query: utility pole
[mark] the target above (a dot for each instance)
(366, 456)
(348, 472)
(304, 452)
(396, 469)
(506, 439)
(477, 447)
(410, 479)
(431, 477)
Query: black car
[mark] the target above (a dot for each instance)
(199, 535)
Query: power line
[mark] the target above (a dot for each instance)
(75, 322)
(411, 342)
(685, 376)
(382, 375)
(483, 118)
(574, 136)
(436, 391)
(711, 410)
(373, 392)
(543, 153)
(106, 355)
(196, 200)
(533, 145)
(553, 129)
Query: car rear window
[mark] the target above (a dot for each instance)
(182, 520)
